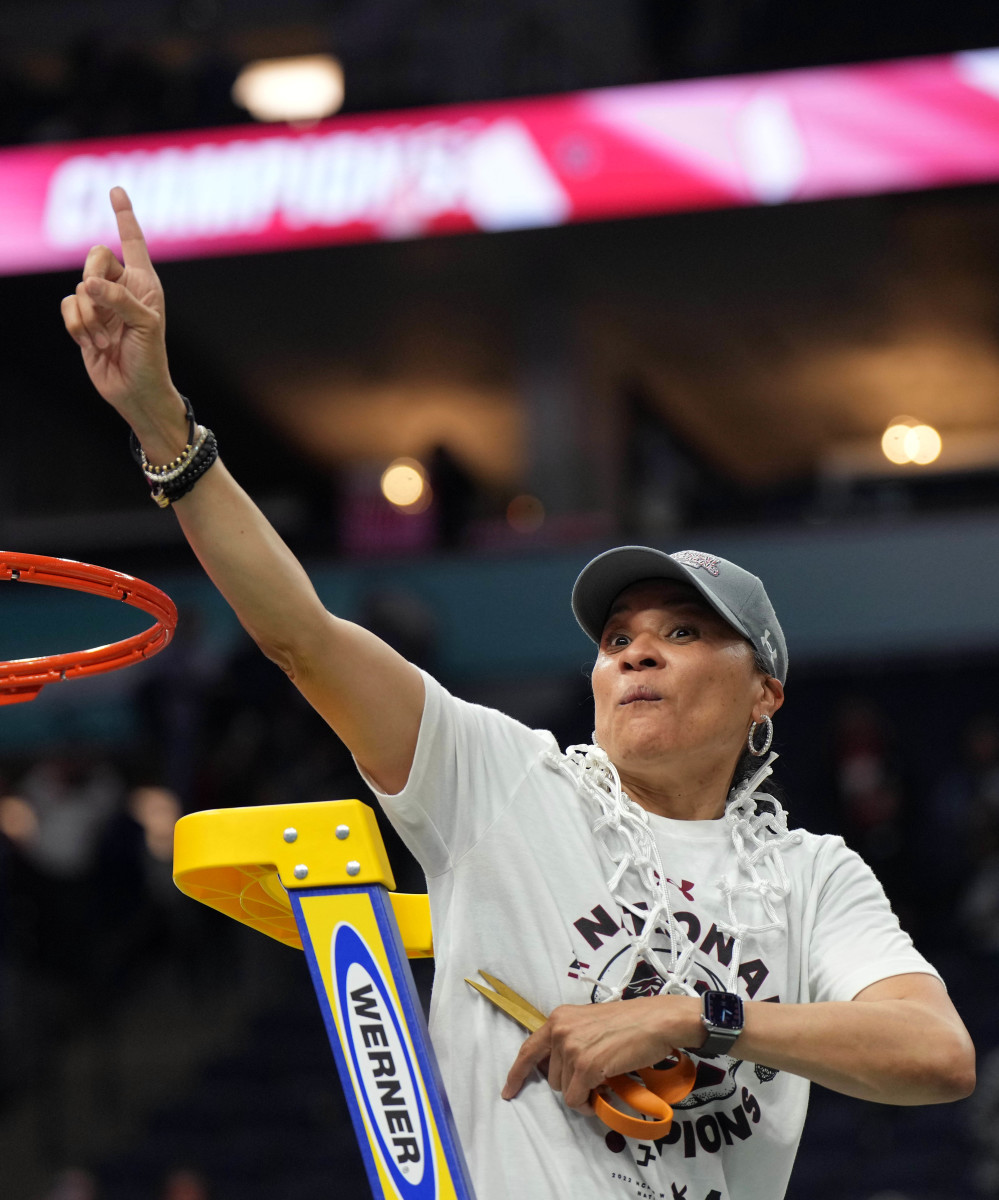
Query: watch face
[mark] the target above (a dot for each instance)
(723, 1009)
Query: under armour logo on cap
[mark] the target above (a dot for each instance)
(771, 650)
(694, 558)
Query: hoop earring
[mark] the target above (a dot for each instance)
(766, 745)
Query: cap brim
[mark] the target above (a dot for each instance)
(607, 575)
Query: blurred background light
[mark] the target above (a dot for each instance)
(923, 444)
(525, 514)
(907, 440)
(893, 440)
(305, 88)
(405, 486)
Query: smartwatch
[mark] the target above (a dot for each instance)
(723, 1018)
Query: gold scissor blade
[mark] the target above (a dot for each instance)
(505, 990)
(523, 1014)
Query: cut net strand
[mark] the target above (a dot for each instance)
(759, 833)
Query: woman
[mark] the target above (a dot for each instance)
(614, 884)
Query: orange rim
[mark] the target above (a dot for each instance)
(23, 678)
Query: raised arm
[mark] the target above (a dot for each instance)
(369, 694)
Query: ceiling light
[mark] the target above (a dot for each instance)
(907, 440)
(306, 88)
(893, 440)
(405, 486)
(923, 444)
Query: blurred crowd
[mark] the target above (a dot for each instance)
(89, 913)
(77, 1183)
(90, 920)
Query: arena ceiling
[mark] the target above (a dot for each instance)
(771, 345)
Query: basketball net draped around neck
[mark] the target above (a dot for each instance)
(758, 833)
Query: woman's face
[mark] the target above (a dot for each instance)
(674, 680)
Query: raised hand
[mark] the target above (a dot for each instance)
(116, 315)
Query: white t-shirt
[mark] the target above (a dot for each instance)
(517, 888)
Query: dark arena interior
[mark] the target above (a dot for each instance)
(555, 354)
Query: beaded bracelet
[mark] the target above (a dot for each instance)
(166, 492)
(176, 478)
(178, 465)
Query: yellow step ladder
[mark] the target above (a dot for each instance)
(316, 877)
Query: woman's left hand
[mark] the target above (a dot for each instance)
(586, 1044)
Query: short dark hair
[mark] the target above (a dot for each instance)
(760, 663)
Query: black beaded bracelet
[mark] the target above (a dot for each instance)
(174, 479)
(166, 492)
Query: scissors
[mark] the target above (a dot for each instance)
(655, 1095)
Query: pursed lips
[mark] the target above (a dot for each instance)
(640, 693)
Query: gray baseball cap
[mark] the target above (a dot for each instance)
(733, 593)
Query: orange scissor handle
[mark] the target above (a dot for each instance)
(654, 1096)
(672, 1084)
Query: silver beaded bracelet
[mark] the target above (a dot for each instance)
(178, 465)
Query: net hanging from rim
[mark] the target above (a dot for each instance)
(23, 678)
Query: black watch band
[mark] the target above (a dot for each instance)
(723, 1017)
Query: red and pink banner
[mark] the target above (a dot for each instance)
(618, 152)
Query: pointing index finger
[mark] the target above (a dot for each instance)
(134, 251)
